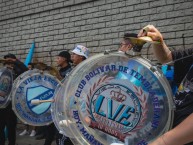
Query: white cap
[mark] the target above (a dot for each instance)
(81, 50)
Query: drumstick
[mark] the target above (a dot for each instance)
(65, 123)
(37, 101)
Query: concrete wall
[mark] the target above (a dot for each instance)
(98, 24)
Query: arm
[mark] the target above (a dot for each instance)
(181, 134)
(161, 51)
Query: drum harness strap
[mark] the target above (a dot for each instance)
(178, 59)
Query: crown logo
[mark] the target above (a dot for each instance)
(118, 96)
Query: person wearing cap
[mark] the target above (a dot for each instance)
(127, 44)
(12, 62)
(63, 61)
(79, 54)
(8, 117)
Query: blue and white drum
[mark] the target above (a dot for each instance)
(6, 81)
(117, 99)
(29, 86)
(57, 107)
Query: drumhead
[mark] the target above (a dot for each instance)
(57, 110)
(6, 81)
(112, 98)
(34, 85)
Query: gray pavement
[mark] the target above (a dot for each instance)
(26, 139)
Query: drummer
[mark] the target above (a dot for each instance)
(64, 63)
(8, 118)
(78, 54)
(126, 43)
(183, 76)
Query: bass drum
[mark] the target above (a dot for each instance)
(34, 85)
(57, 109)
(6, 81)
(116, 99)
(58, 113)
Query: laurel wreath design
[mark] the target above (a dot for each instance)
(142, 98)
(139, 93)
(102, 80)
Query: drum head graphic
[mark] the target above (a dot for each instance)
(30, 86)
(114, 99)
(6, 81)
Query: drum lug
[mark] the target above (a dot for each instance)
(153, 68)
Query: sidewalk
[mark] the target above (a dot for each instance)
(26, 139)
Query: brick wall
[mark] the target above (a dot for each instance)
(98, 24)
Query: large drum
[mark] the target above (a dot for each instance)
(6, 81)
(34, 85)
(115, 99)
(57, 106)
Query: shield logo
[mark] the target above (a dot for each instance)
(41, 93)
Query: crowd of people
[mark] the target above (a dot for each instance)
(182, 132)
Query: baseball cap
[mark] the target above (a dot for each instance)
(81, 50)
(66, 55)
(134, 40)
(128, 35)
(9, 55)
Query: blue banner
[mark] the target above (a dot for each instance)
(30, 54)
